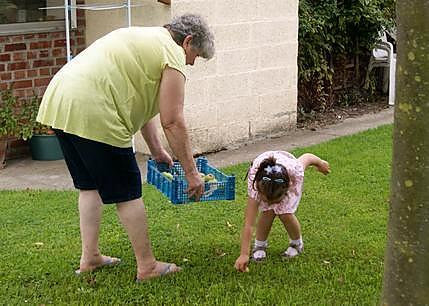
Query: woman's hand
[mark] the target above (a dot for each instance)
(162, 156)
(195, 185)
(241, 263)
(150, 135)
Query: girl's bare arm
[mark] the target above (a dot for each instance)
(308, 159)
(246, 235)
(249, 223)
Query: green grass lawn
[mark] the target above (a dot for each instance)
(343, 218)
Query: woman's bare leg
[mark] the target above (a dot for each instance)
(133, 216)
(90, 212)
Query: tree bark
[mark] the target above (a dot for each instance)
(406, 274)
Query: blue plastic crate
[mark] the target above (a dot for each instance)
(223, 189)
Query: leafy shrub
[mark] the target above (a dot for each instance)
(8, 114)
(28, 124)
(18, 118)
(329, 31)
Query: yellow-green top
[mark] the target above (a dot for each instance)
(111, 89)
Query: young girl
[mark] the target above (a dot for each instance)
(274, 187)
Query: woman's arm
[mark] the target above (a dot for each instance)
(246, 234)
(171, 101)
(150, 135)
(308, 159)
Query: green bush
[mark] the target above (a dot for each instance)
(8, 114)
(330, 31)
(18, 117)
(28, 126)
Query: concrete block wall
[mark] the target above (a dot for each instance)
(249, 89)
(147, 13)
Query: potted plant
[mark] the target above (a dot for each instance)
(8, 122)
(43, 142)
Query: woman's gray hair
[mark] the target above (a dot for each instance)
(190, 24)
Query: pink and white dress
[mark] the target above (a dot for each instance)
(295, 169)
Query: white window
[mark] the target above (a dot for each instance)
(24, 16)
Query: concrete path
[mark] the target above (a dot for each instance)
(53, 175)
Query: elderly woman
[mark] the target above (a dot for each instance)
(99, 100)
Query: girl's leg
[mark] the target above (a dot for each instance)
(263, 228)
(264, 225)
(296, 246)
(291, 225)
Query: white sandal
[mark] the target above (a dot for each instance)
(293, 250)
(259, 254)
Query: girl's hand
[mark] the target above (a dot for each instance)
(241, 263)
(323, 167)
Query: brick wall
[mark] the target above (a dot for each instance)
(29, 61)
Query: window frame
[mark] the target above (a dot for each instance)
(31, 27)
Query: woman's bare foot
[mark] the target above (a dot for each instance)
(96, 263)
(158, 269)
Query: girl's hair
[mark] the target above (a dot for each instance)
(190, 24)
(271, 179)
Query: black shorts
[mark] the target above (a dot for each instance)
(93, 165)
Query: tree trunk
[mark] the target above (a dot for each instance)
(406, 275)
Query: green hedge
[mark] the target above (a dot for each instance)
(329, 31)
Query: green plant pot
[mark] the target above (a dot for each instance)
(45, 147)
